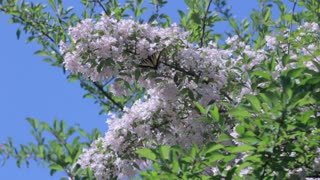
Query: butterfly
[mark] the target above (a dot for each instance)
(152, 61)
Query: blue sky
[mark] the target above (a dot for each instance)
(32, 88)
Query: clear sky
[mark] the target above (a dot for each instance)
(32, 88)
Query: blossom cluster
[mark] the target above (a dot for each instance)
(155, 121)
(117, 45)
(110, 48)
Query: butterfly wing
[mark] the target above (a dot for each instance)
(152, 61)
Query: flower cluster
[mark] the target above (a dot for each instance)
(110, 48)
(154, 121)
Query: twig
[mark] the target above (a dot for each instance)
(100, 88)
(204, 24)
(101, 5)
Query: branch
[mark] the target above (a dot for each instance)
(291, 23)
(193, 74)
(101, 5)
(100, 88)
(204, 24)
(35, 25)
(190, 73)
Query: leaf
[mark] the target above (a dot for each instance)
(194, 151)
(254, 101)
(286, 58)
(34, 123)
(242, 148)
(214, 156)
(164, 152)
(18, 33)
(200, 108)
(240, 112)
(305, 101)
(167, 18)
(215, 113)
(262, 74)
(234, 24)
(267, 15)
(41, 53)
(56, 167)
(189, 3)
(183, 18)
(195, 17)
(306, 116)
(295, 72)
(62, 125)
(146, 153)
(249, 140)
(152, 18)
(175, 165)
(240, 129)
(224, 137)
(212, 147)
(56, 125)
(51, 3)
(52, 171)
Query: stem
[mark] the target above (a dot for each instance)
(204, 24)
(101, 5)
(100, 88)
(190, 73)
(291, 22)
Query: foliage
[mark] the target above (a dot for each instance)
(260, 120)
(56, 146)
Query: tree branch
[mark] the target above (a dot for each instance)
(204, 24)
(100, 88)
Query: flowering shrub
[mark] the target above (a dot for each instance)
(200, 108)
(168, 116)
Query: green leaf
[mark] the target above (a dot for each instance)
(18, 33)
(195, 17)
(306, 116)
(164, 152)
(212, 147)
(41, 53)
(224, 137)
(254, 101)
(56, 125)
(249, 140)
(240, 112)
(34, 123)
(182, 18)
(175, 165)
(262, 74)
(306, 101)
(62, 125)
(146, 153)
(295, 72)
(267, 15)
(241, 148)
(200, 107)
(215, 113)
(189, 3)
(56, 167)
(51, 3)
(285, 59)
(240, 129)
(214, 156)
(234, 24)
(194, 151)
